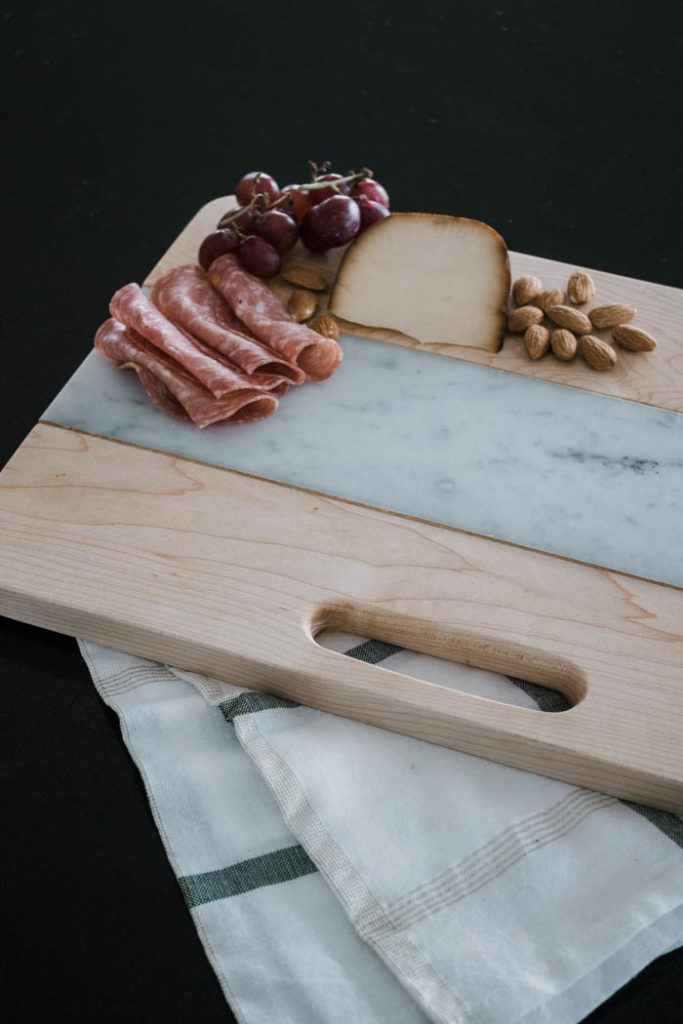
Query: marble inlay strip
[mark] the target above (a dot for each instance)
(549, 467)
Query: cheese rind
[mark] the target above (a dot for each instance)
(438, 279)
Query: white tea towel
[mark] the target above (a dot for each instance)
(279, 941)
(326, 861)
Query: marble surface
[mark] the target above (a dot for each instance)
(546, 466)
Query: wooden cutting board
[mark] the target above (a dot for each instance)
(233, 576)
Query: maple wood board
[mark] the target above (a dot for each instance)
(652, 378)
(233, 576)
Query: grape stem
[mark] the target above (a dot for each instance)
(314, 170)
(260, 203)
(351, 177)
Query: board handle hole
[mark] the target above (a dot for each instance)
(494, 670)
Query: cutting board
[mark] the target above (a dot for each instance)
(232, 575)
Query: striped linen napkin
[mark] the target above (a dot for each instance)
(337, 872)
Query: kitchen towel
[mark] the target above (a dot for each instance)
(336, 871)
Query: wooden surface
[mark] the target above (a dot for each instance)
(233, 576)
(653, 378)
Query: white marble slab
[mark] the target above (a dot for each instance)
(552, 468)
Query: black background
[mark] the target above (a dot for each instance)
(558, 124)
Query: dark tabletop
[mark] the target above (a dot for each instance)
(556, 123)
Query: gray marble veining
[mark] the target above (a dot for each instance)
(542, 465)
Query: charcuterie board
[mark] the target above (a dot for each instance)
(231, 569)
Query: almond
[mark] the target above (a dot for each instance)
(570, 318)
(611, 316)
(526, 289)
(302, 304)
(554, 297)
(304, 277)
(563, 344)
(634, 339)
(325, 325)
(525, 316)
(580, 287)
(537, 340)
(597, 353)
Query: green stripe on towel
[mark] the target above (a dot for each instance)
(269, 869)
(544, 698)
(245, 703)
(373, 651)
(666, 822)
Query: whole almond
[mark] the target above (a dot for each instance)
(302, 304)
(525, 289)
(525, 316)
(563, 344)
(580, 287)
(537, 340)
(611, 316)
(326, 325)
(597, 353)
(304, 277)
(569, 318)
(554, 297)
(633, 338)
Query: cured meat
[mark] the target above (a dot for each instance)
(157, 391)
(275, 383)
(171, 388)
(186, 297)
(265, 316)
(133, 309)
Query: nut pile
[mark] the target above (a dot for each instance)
(303, 302)
(571, 329)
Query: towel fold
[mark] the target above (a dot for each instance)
(336, 871)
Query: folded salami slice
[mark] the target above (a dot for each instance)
(275, 383)
(171, 388)
(157, 390)
(186, 297)
(133, 309)
(265, 316)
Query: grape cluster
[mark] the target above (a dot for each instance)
(326, 212)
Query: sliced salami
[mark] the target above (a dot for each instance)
(273, 382)
(133, 309)
(174, 390)
(262, 312)
(186, 297)
(157, 391)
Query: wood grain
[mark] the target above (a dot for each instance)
(211, 570)
(232, 576)
(652, 378)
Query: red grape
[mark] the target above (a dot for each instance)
(371, 189)
(259, 257)
(257, 181)
(333, 222)
(301, 202)
(244, 220)
(370, 211)
(279, 229)
(319, 195)
(215, 244)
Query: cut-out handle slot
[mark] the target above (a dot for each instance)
(505, 689)
(530, 665)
